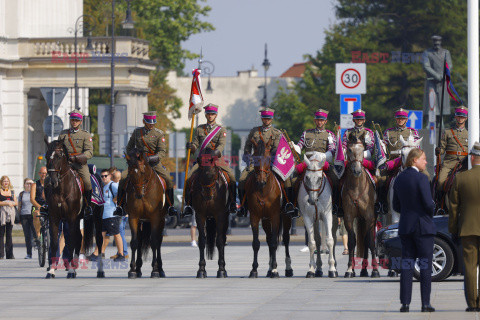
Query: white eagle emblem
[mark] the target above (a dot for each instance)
(283, 156)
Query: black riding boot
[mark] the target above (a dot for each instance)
(172, 211)
(289, 208)
(88, 208)
(233, 197)
(242, 211)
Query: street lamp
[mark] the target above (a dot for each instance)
(80, 24)
(266, 65)
(207, 68)
(126, 24)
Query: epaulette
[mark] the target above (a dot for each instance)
(158, 130)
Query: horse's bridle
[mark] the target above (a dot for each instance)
(209, 187)
(144, 184)
(58, 171)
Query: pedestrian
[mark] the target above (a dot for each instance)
(116, 176)
(26, 218)
(193, 231)
(464, 222)
(37, 198)
(8, 201)
(412, 197)
(111, 223)
(344, 234)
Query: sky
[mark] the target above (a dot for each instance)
(291, 29)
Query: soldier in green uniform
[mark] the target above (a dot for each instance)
(320, 140)
(391, 137)
(454, 143)
(80, 148)
(267, 132)
(210, 135)
(151, 141)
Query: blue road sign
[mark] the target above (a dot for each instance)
(415, 119)
(350, 103)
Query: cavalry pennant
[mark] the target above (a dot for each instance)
(339, 162)
(196, 97)
(284, 163)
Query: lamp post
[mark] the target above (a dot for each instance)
(266, 65)
(80, 24)
(207, 68)
(126, 24)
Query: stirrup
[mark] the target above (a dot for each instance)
(242, 212)
(290, 210)
(119, 212)
(233, 207)
(172, 211)
(187, 211)
(378, 207)
(88, 213)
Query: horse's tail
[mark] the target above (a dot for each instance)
(144, 234)
(89, 227)
(211, 236)
(361, 233)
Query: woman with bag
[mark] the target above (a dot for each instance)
(26, 218)
(8, 202)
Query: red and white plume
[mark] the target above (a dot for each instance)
(196, 97)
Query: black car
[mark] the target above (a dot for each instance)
(447, 252)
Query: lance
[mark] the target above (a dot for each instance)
(297, 157)
(441, 116)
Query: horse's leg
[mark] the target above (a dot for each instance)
(287, 224)
(70, 238)
(97, 215)
(327, 221)
(317, 246)
(351, 246)
(52, 255)
(274, 234)
(362, 230)
(201, 273)
(309, 225)
(154, 245)
(254, 222)
(371, 244)
(133, 246)
(267, 228)
(141, 239)
(160, 240)
(222, 226)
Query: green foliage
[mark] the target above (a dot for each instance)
(377, 26)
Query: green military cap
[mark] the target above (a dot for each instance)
(267, 113)
(475, 151)
(76, 115)
(150, 117)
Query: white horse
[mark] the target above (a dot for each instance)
(407, 145)
(315, 204)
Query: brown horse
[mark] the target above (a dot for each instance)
(358, 198)
(146, 213)
(210, 202)
(65, 204)
(264, 203)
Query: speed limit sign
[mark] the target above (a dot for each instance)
(351, 78)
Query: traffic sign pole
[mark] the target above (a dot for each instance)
(53, 113)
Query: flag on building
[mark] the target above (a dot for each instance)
(196, 97)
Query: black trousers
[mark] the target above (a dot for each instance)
(7, 246)
(416, 246)
(28, 231)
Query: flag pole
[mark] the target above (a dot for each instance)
(188, 162)
(441, 116)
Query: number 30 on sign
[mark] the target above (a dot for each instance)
(351, 78)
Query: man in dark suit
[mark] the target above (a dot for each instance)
(464, 222)
(413, 199)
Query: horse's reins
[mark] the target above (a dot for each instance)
(210, 186)
(355, 201)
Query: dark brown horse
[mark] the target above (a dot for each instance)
(264, 203)
(210, 202)
(65, 203)
(146, 213)
(358, 198)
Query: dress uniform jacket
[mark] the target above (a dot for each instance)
(317, 140)
(454, 151)
(78, 142)
(391, 138)
(368, 142)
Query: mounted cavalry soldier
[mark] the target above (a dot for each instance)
(454, 144)
(265, 132)
(151, 141)
(391, 137)
(213, 136)
(357, 131)
(80, 148)
(321, 140)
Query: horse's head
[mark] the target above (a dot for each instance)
(355, 154)
(137, 171)
(314, 175)
(262, 160)
(407, 146)
(57, 161)
(208, 160)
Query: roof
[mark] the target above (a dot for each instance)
(295, 71)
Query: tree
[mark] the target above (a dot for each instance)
(383, 26)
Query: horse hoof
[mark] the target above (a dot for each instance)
(253, 274)
(100, 274)
(274, 275)
(289, 273)
(332, 274)
(375, 274)
(221, 274)
(364, 273)
(132, 275)
(155, 274)
(139, 274)
(162, 274)
(310, 274)
(318, 273)
(50, 276)
(201, 274)
(392, 273)
(71, 275)
(349, 274)
(269, 274)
